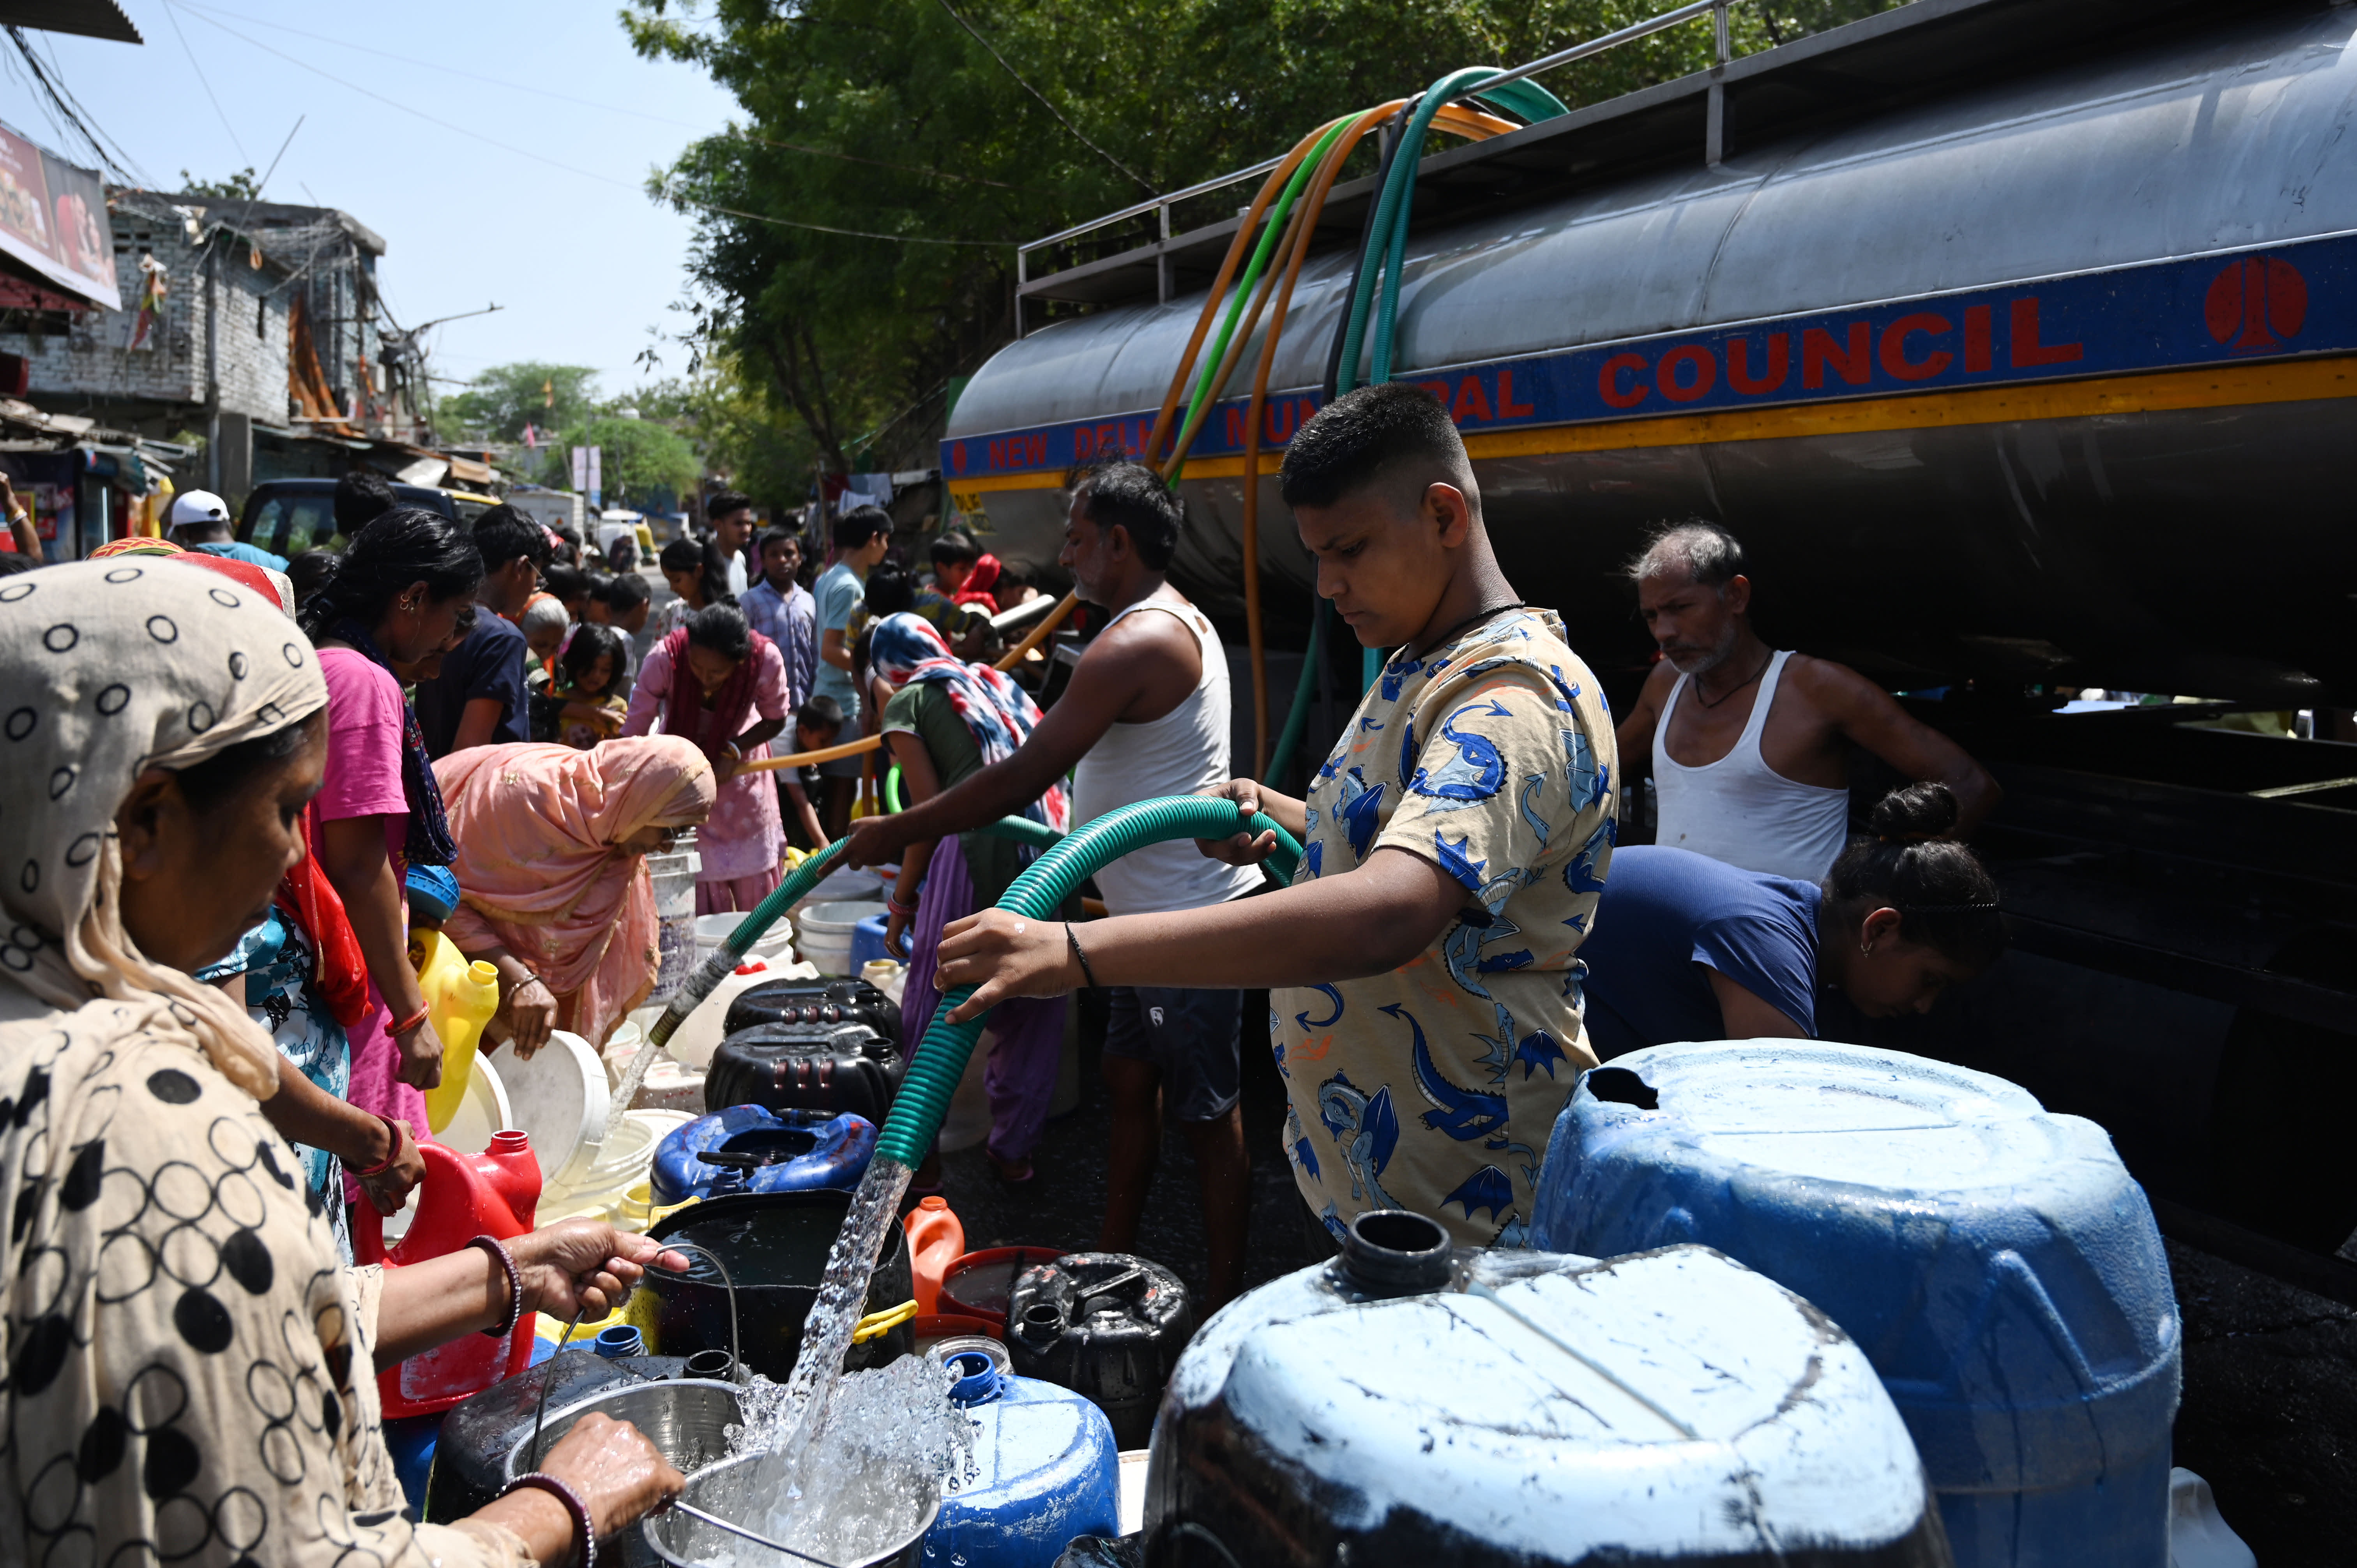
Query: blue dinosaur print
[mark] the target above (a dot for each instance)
(1489, 1188)
(1356, 811)
(1582, 873)
(1476, 770)
(1460, 949)
(1368, 1130)
(1306, 1157)
(1395, 674)
(1407, 751)
(1538, 824)
(1455, 860)
(1330, 1020)
(1314, 855)
(1584, 777)
(1461, 1113)
(1539, 1050)
(1494, 1058)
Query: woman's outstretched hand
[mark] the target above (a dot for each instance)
(1003, 954)
(585, 1266)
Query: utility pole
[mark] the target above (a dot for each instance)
(213, 362)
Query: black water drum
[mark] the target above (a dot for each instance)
(774, 1246)
(832, 1046)
(1105, 1324)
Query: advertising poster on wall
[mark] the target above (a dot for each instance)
(53, 220)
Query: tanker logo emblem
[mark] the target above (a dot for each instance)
(2256, 303)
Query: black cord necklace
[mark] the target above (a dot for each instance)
(1469, 622)
(1714, 702)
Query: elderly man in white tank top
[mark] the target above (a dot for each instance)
(1145, 715)
(1751, 744)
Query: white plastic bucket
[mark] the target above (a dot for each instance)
(699, 1033)
(560, 1098)
(826, 933)
(713, 931)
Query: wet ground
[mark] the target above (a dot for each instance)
(2269, 1415)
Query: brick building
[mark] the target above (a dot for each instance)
(250, 324)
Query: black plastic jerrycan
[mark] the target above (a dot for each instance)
(1106, 1325)
(808, 1045)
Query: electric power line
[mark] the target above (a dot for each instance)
(1143, 183)
(206, 83)
(174, 6)
(210, 12)
(57, 99)
(58, 75)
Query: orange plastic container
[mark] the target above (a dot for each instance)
(936, 1239)
(978, 1285)
(494, 1192)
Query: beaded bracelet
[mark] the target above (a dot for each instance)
(582, 1521)
(499, 1250)
(1073, 936)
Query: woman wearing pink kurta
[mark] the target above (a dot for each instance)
(721, 685)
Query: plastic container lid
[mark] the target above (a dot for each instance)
(978, 1285)
(560, 1097)
(482, 1110)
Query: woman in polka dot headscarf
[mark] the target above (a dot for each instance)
(190, 1373)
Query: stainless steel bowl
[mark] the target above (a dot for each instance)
(686, 1419)
(682, 1542)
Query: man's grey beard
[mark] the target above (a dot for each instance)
(1698, 664)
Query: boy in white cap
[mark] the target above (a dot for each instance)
(200, 520)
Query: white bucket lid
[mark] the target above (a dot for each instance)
(560, 1098)
(484, 1109)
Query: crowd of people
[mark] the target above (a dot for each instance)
(240, 786)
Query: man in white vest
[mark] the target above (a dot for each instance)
(1751, 744)
(1145, 715)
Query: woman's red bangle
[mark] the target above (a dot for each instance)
(391, 1155)
(413, 1023)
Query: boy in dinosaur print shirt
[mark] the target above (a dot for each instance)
(1422, 966)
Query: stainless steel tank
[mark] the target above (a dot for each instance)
(2046, 374)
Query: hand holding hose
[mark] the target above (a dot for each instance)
(1003, 954)
(1244, 848)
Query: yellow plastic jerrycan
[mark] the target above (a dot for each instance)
(460, 998)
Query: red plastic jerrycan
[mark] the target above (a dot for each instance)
(464, 1195)
(936, 1239)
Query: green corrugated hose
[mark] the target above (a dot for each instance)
(940, 1062)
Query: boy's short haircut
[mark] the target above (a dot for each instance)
(819, 712)
(727, 502)
(890, 590)
(1389, 433)
(860, 524)
(506, 534)
(624, 592)
(955, 545)
(792, 536)
(1120, 491)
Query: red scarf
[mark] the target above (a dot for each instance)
(306, 896)
(980, 585)
(712, 729)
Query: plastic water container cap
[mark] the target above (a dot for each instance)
(978, 1381)
(621, 1340)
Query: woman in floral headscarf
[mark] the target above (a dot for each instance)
(946, 720)
(191, 1372)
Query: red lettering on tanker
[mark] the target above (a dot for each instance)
(1615, 386)
(1895, 361)
(1738, 364)
(2027, 350)
(2256, 302)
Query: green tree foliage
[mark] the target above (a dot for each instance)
(501, 402)
(239, 186)
(642, 462)
(891, 122)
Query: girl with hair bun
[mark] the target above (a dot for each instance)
(1689, 948)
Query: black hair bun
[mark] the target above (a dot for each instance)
(1914, 813)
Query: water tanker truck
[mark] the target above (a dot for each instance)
(2017, 342)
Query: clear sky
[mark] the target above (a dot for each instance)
(473, 210)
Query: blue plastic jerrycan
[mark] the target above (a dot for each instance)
(1996, 1262)
(769, 1151)
(1407, 1404)
(1044, 1471)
